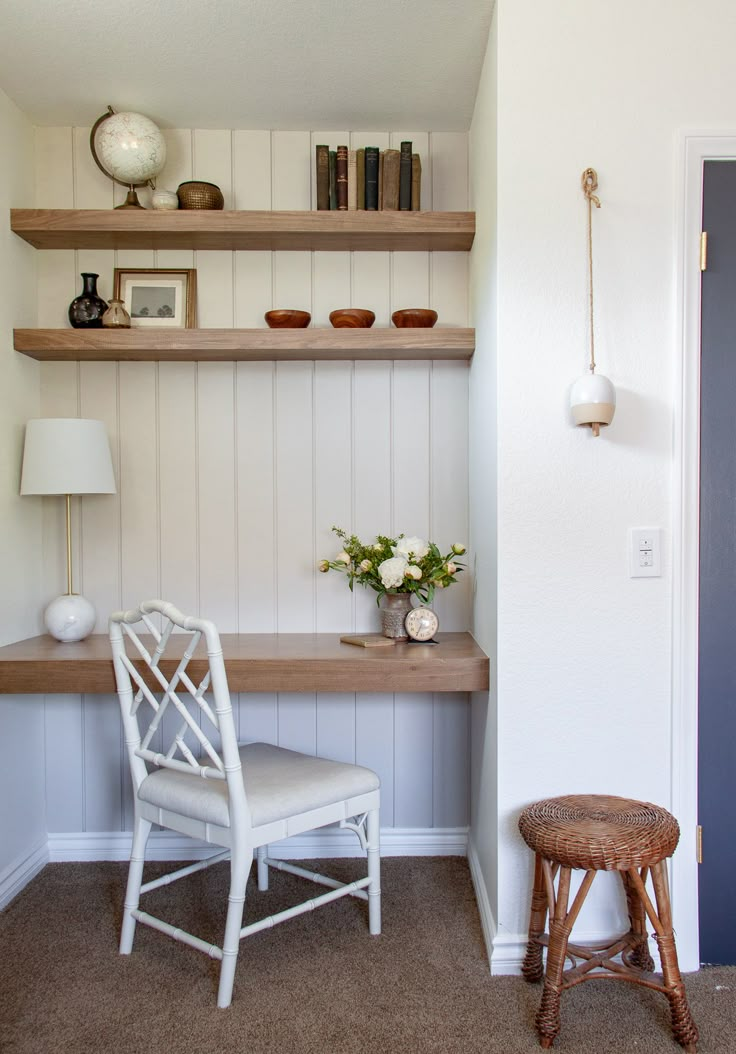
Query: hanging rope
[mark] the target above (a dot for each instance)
(589, 182)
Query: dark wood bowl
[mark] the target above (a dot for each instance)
(414, 317)
(352, 317)
(285, 319)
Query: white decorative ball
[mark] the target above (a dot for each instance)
(70, 617)
(130, 147)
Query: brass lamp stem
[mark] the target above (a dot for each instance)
(69, 544)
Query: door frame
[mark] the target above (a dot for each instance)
(695, 149)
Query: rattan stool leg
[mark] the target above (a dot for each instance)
(532, 968)
(683, 1026)
(639, 956)
(548, 1015)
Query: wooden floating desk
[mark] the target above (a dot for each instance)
(260, 662)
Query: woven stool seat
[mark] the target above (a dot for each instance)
(599, 831)
(592, 833)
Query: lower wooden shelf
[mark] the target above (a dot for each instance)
(208, 345)
(259, 662)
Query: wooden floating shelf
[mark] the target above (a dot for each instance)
(248, 345)
(208, 229)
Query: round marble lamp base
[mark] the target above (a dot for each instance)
(70, 617)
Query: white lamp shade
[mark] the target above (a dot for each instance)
(593, 400)
(66, 455)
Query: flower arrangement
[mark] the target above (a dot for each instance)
(395, 565)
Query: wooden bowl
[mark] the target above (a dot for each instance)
(414, 317)
(352, 317)
(287, 319)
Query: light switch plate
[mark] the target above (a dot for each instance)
(645, 552)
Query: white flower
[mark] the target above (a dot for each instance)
(365, 565)
(414, 572)
(458, 549)
(415, 547)
(451, 568)
(342, 558)
(324, 565)
(392, 571)
(377, 548)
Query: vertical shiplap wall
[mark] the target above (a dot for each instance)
(231, 475)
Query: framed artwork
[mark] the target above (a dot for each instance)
(158, 297)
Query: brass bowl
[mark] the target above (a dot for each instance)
(352, 318)
(197, 195)
(287, 319)
(414, 318)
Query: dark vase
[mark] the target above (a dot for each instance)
(87, 309)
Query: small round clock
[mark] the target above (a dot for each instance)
(421, 624)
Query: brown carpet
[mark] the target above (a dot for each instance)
(318, 984)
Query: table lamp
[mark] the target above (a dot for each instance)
(67, 456)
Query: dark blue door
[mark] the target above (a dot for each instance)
(717, 639)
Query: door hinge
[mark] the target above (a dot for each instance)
(699, 843)
(703, 250)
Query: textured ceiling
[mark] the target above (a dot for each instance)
(283, 64)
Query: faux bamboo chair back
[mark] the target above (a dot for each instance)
(157, 724)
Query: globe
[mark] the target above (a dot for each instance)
(129, 148)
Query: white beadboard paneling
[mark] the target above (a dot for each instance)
(257, 550)
(292, 280)
(371, 285)
(336, 725)
(138, 482)
(104, 763)
(54, 168)
(451, 772)
(448, 282)
(333, 421)
(331, 279)
(297, 721)
(258, 719)
(411, 449)
(218, 569)
(449, 171)
(178, 485)
(64, 763)
(251, 170)
(292, 156)
(58, 284)
(214, 290)
(178, 167)
(374, 745)
(252, 288)
(413, 754)
(92, 188)
(295, 497)
(449, 485)
(213, 159)
(409, 280)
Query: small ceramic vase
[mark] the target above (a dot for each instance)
(116, 317)
(87, 309)
(164, 199)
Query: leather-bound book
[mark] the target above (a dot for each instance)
(390, 181)
(371, 178)
(380, 178)
(333, 177)
(405, 177)
(360, 177)
(416, 182)
(341, 178)
(352, 180)
(323, 176)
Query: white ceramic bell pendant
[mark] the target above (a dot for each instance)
(593, 401)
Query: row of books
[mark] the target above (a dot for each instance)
(368, 178)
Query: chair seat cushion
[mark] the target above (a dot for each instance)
(278, 783)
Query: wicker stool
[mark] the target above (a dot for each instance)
(593, 832)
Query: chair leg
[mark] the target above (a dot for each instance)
(261, 853)
(683, 1027)
(141, 831)
(240, 864)
(373, 841)
(532, 968)
(639, 956)
(548, 1015)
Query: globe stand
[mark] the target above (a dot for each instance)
(131, 200)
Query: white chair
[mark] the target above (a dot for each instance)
(194, 778)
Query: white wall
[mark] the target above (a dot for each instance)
(21, 719)
(230, 476)
(584, 652)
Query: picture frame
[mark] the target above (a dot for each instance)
(158, 296)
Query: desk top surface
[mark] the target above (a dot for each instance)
(260, 662)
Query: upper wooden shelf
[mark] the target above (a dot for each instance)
(209, 345)
(259, 662)
(207, 229)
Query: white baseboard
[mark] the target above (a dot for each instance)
(18, 874)
(487, 920)
(329, 842)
